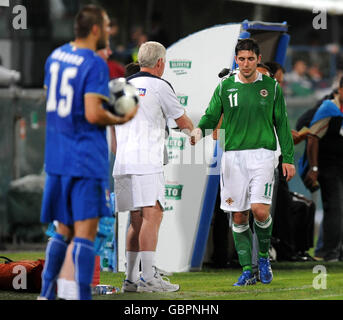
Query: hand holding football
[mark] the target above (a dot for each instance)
(124, 97)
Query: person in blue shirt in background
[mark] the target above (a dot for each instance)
(76, 153)
(323, 162)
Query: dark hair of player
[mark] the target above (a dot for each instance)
(247, 44)
(341, 83)
(86, 18)
(274, 66)
(131, 69)
(264, 66)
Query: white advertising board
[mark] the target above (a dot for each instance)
(192, 68)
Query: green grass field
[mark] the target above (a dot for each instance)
(292, 281)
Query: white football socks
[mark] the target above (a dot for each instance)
(132, 269)
(148, 259)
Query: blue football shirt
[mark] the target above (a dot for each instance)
(74, 147)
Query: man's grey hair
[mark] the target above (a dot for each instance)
(149, 53)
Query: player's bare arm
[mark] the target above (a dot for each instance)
(215, 133)
(312, 156)
(96, 114)
(288, 171)
(185, 124)
(113, 140)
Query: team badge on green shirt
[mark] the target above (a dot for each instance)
(264, 93)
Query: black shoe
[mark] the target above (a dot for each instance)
(304, 256)
(257, 276)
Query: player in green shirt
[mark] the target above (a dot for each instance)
(254, 109)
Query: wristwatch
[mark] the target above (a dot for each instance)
(314, 169)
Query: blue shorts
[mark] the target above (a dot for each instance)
(69, 199)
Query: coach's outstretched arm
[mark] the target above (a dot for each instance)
(211, 117)
(185, 123)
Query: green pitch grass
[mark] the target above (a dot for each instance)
(292, 281)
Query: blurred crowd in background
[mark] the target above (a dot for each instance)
(309, 69)
(314, 58)
(312, 70)
(123, 55)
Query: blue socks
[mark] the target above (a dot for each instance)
(83, 258)
(84, 261)
(54, 258)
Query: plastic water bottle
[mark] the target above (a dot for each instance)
(105, 238)
(99, 243)
(104, 263)
(102, 289)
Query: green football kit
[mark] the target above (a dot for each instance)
(253, 112)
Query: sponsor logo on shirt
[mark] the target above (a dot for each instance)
(181, 66)
(232, 89)
(142, 92)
